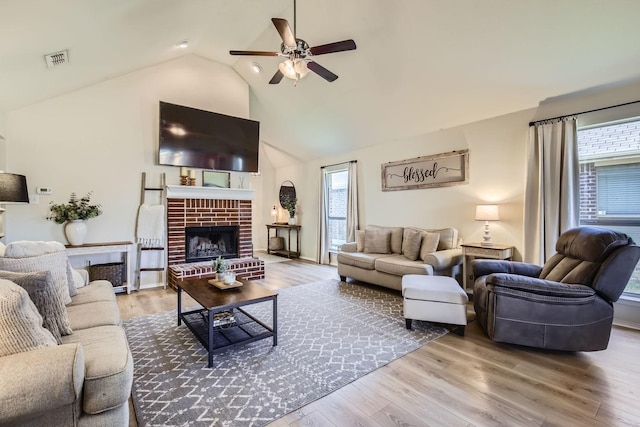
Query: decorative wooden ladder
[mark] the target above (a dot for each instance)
(162, 192)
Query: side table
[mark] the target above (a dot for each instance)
(125, 249)
(285, 252)
(476, 250)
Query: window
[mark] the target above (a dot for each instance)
(618, 192)
(609, 156)
(337, 182)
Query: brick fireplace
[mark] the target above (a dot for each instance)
(209, 207)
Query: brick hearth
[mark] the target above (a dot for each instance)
(209, 212)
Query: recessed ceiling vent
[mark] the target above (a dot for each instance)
(57, 58)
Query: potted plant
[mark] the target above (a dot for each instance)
(290, 205)
(74, 213)
(220, 265)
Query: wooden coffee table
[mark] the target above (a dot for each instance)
(244, 328)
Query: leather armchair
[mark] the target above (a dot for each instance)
(565, 304)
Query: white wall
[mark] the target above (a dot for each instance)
(497, 149)
(103, 137)
(497, 159)
(496, 164)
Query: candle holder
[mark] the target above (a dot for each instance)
(192, 182)
(183, 180)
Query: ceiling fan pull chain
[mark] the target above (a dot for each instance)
(295, 33)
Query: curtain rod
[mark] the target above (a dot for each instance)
(584, 112)
(341, 163)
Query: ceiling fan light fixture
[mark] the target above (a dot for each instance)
(286, 68)
(295, 69)
(300, 66)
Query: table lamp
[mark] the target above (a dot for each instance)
(487, 213)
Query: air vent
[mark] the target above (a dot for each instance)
(58, 58)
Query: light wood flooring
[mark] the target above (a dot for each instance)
(461, 381)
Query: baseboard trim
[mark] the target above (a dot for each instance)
(152, 286)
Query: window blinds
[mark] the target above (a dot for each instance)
(618, 191)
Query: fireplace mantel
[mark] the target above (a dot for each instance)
(213, 193)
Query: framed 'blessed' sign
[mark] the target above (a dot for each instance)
(439, 170)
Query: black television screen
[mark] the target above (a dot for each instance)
(207, 140)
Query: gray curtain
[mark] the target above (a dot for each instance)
(323, 237)
(552, 194)
(352, 203)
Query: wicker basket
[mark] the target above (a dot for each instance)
(276, 243)
(113, 272)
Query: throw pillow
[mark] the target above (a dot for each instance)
(27, 248)
(20, 323)
(78, 280)
(377, 241)
(33, 248)
(56, 263)
(359, 240)
(411, 240)
(3, 249)
(43, 292)
(448, 238)
(396, 237)
(430, 243)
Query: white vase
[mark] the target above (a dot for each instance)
(292, 220)
(76, 231)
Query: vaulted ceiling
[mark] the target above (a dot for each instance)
(420, 65)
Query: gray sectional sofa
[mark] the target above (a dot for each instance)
(82, 377)
(382, 255)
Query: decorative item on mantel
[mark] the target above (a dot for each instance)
(74, 213)
(192, 178)
(290, 205)
(183, 175)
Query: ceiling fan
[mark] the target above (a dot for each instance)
(298, 53)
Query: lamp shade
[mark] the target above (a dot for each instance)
(13, 188)
(293, 69)
(487, 213)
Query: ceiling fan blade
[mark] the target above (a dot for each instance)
(333, 47)
(321, 71)
(276, 78)
(252, 53)
(285, 31)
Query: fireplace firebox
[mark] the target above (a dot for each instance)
(207, 243)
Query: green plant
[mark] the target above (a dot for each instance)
(75, 208)
(290, 205)
(220, 265)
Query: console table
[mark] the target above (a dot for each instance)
(125, 249)
(287, 251)
(476, 250)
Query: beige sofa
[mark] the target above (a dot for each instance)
(382, 255)
(83, 378)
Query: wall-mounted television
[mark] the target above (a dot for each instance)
(203, 139)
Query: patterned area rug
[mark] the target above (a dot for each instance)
(330, 333)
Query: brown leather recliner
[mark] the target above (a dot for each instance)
(564, 305)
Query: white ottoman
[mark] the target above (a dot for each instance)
(438, 299)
